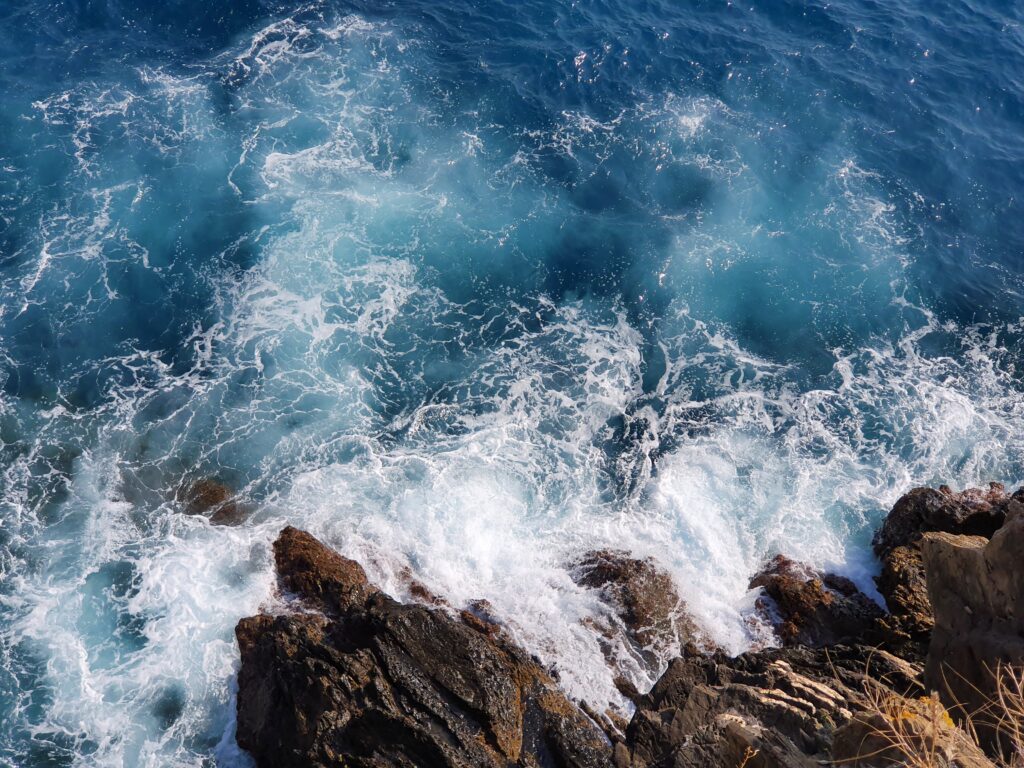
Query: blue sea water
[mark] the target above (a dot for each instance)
(466, 288)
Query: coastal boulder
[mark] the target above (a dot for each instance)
(352, 677)
(646, 614)
(776, 708)
(898, 546)
(215, 501)
(976, 586)
(806, 607)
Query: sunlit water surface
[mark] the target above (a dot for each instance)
(467, 289)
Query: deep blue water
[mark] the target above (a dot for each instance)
(468, 287)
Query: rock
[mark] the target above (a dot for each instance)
(897, 544)
(976, 587)
(479, 615)
(349, 676)
(643, 599)
(367, 681)
(793, 707)
(419, 591)
(215, 500)
(902, 584)
(319, 575)
(972, 512)
(782, 704)
(905, 731)
(809, 608)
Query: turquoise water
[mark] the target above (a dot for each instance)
(467, 288)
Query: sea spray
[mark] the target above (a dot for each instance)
(661, 281)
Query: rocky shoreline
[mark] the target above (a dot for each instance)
(349, 676)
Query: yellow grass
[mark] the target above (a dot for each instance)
(921, 734)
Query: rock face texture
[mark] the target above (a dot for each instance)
(214, 500)
(711, 710)
(647, 614)
(814, 609)
(367, 681)
(898, 546)
(784, 707)
(906, 731)
(351, 677)
(976, 587)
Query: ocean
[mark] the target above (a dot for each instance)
(467, 289)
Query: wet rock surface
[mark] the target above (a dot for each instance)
(351, 677)
(806, 607)
(646, 610)
(215, 501)
(367, 681)
(974, 512)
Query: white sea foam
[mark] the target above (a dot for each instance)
(346, 385)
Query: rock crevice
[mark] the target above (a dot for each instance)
(348, 676)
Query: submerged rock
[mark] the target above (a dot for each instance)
(807, 607)
(368, 681)
(214, 500)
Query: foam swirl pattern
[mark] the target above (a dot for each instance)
(466, 289)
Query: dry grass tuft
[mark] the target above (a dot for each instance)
(1010, 695)
(1004, 713)
(749, 754)
(915, 732)
(919, 732)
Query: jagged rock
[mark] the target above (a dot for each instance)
(905, 731)
(781, 703)
(973, 512)
(367, 681)
(810, 608)
(479, 615)
(976, 588)
(901, 582)
(898, 545)
(792, 707)
(353, 677)
(419, 591)
(642, 597)
(319, 575)
(215, 500)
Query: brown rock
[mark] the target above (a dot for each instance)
(215, 500)
(810, 608)
(642, 598)
(479, 615)
(902, 584)
(419, 591)
(372, 682)
(318, 574)
(782, 704)
(976, 588)
(905, 731)
(362, 680)
(972, 512)
(898, 545)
